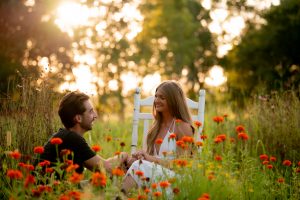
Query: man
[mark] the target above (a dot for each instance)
(77, 115)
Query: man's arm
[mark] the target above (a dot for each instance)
(96, 162)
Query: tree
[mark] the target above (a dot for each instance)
(173, 40)
(27, 35)
(107, 40)
(268, 55)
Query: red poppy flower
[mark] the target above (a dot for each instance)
(218, 158)
(218, 119)
(199, 144)
(172, 136)
(263, 157)
(280, 180)
(74, 194)
(265, 162)
(270, 166)
(118, 172)
(243, 136)
(35, 193)
(44, 163)
(146, 190)
(205, 196)
(179, 143)
(164, 184)
(65, 152)
(21, 164)
(240, 128)
(202, 198)
(38, 150)
(187, 139)
(158, 141)
(210, 177)
(14, 174)
(176, 190)
(64, 197)
(217, 140)
(232, 140)
(28, 167)
(140, 197)
(69, 162)
(157, 194)
(56, 141)
(76, 178)
(29, 180)
(222, 137)
(272, 158)
(139, 173)
(181, 163)
(197, 124)
(98, 179)
(287, 163)
(72, 167)
(96, 148)
(49, 170)
(203, 137)
(154, 185)
(117, 153)
(15, 154)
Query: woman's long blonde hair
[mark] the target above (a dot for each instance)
(178, 108)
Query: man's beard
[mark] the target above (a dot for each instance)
(86, 126)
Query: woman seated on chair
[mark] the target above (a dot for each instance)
(171, 119)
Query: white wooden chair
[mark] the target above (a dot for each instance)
(147, 116)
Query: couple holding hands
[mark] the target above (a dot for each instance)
(77, 115)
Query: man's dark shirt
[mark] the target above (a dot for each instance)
(71, 141)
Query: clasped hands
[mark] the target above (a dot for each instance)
(138, 155)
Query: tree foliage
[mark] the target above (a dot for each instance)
(28, 34)
(107, 39)
(268, 56)
(173, 39)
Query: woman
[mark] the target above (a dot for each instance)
(171, 119)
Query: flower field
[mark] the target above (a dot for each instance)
(233, 160)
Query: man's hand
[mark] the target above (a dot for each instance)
(130, 160)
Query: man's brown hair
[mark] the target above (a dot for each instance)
(70, 106)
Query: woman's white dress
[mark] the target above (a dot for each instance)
(154, 171)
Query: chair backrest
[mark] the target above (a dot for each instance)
(147, 116)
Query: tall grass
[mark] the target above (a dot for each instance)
(29, 115)
(275, 120)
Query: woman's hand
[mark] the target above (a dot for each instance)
(141, 154)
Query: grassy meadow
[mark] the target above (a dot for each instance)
(249, 153)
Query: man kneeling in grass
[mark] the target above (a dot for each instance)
(68, 145)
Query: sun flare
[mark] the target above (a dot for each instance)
(216, 76)
(71, 15)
